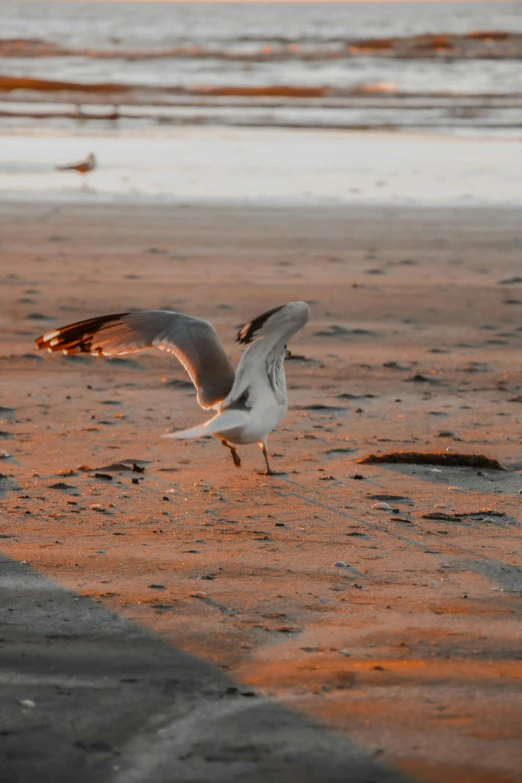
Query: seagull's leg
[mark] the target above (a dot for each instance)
(235, 455)
(268, 471)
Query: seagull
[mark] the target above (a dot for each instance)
(249, 402)
(83, 166)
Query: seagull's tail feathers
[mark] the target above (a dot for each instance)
(219, 425)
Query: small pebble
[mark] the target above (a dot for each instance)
(383, 506)
(339, 564)
(28, 703)
(200, 594)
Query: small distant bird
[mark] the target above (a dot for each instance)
(250, 402)
(114, 114)
(83, 166)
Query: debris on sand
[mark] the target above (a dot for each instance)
(116, 467)
(484, 515)
(62, 485)
(452, 460)
(400, 499)
(418, 378)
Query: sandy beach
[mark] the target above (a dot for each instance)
(409, 646)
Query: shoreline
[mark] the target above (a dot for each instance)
(195, 164)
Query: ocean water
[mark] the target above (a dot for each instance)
(161, 25)
(354, 65)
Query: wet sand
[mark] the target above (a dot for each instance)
(272, 166)
(412, 647)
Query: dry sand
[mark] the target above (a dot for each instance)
(413, 648)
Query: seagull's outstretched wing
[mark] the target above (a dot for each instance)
(268, 335)
(193, 341)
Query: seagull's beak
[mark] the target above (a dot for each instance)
(288, 352)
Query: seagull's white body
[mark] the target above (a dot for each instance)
(82, 167)
(257, 401)
(249, 403)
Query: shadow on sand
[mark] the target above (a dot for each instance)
(88, 696)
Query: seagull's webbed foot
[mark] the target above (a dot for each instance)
(235, 455)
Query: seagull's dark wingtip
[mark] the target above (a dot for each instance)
(78, 336)
(248, 332)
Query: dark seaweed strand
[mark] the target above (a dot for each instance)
(79, 336)
(247, 332)
(434, 458)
